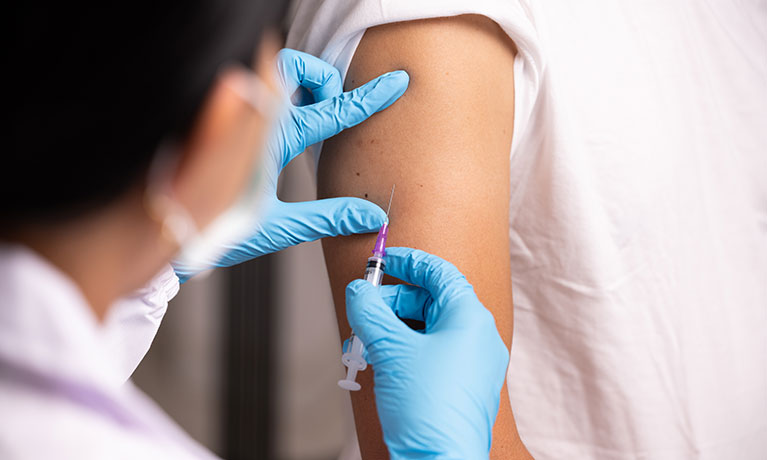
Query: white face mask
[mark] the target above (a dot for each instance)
(202, 248)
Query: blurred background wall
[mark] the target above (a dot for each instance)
(249, 398)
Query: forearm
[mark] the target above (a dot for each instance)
(446, 145)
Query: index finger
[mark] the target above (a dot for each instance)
(329, 117)
(438, 276)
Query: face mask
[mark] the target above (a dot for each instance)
(201, 248)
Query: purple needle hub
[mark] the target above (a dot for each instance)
(380, 248)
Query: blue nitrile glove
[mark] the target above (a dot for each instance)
(437, 391)
(327, 111)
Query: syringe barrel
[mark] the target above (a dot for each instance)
(374, 271)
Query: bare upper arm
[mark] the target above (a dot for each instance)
(446, 145)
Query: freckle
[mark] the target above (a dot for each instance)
(358, 174)
(420, 185)
(366, 195)
(372, 141)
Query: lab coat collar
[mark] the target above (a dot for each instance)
(46, 323)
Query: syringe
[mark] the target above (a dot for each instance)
(374, 271)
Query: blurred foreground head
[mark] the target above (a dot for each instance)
(95, 91)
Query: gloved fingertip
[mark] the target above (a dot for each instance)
(372, 218)
(397, 81)
(400, 76)
(361, 216)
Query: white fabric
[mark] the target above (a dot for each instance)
(133, 322)
(638, 217)
(76, 403)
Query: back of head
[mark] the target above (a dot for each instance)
(95, 91)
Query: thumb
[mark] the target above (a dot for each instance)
(299, 69)
(369, 316)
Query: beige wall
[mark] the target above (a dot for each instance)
(183, 371)
(315, 413)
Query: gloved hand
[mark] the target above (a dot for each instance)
(325, 112)
(437, 391)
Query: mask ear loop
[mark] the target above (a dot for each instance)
(176, 224)
(270, 102)
(252, 89)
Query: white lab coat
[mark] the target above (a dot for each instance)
(63, 389)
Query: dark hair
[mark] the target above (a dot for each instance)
(95, 91)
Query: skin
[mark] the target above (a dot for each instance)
(445, 145)
(118, 248)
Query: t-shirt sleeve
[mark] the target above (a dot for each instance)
(332, 30)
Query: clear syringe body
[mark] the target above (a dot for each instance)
(374, 271)
(353, 353)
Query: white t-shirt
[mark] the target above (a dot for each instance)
(638, 217)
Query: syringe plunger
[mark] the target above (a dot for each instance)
(354, 362)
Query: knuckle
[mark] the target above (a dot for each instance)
(501, 353)
(488, 319)
(484, 319)
(349, 110)
(413, 258)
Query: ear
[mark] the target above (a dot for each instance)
(218, 156)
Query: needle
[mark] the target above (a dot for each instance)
(390, 198)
